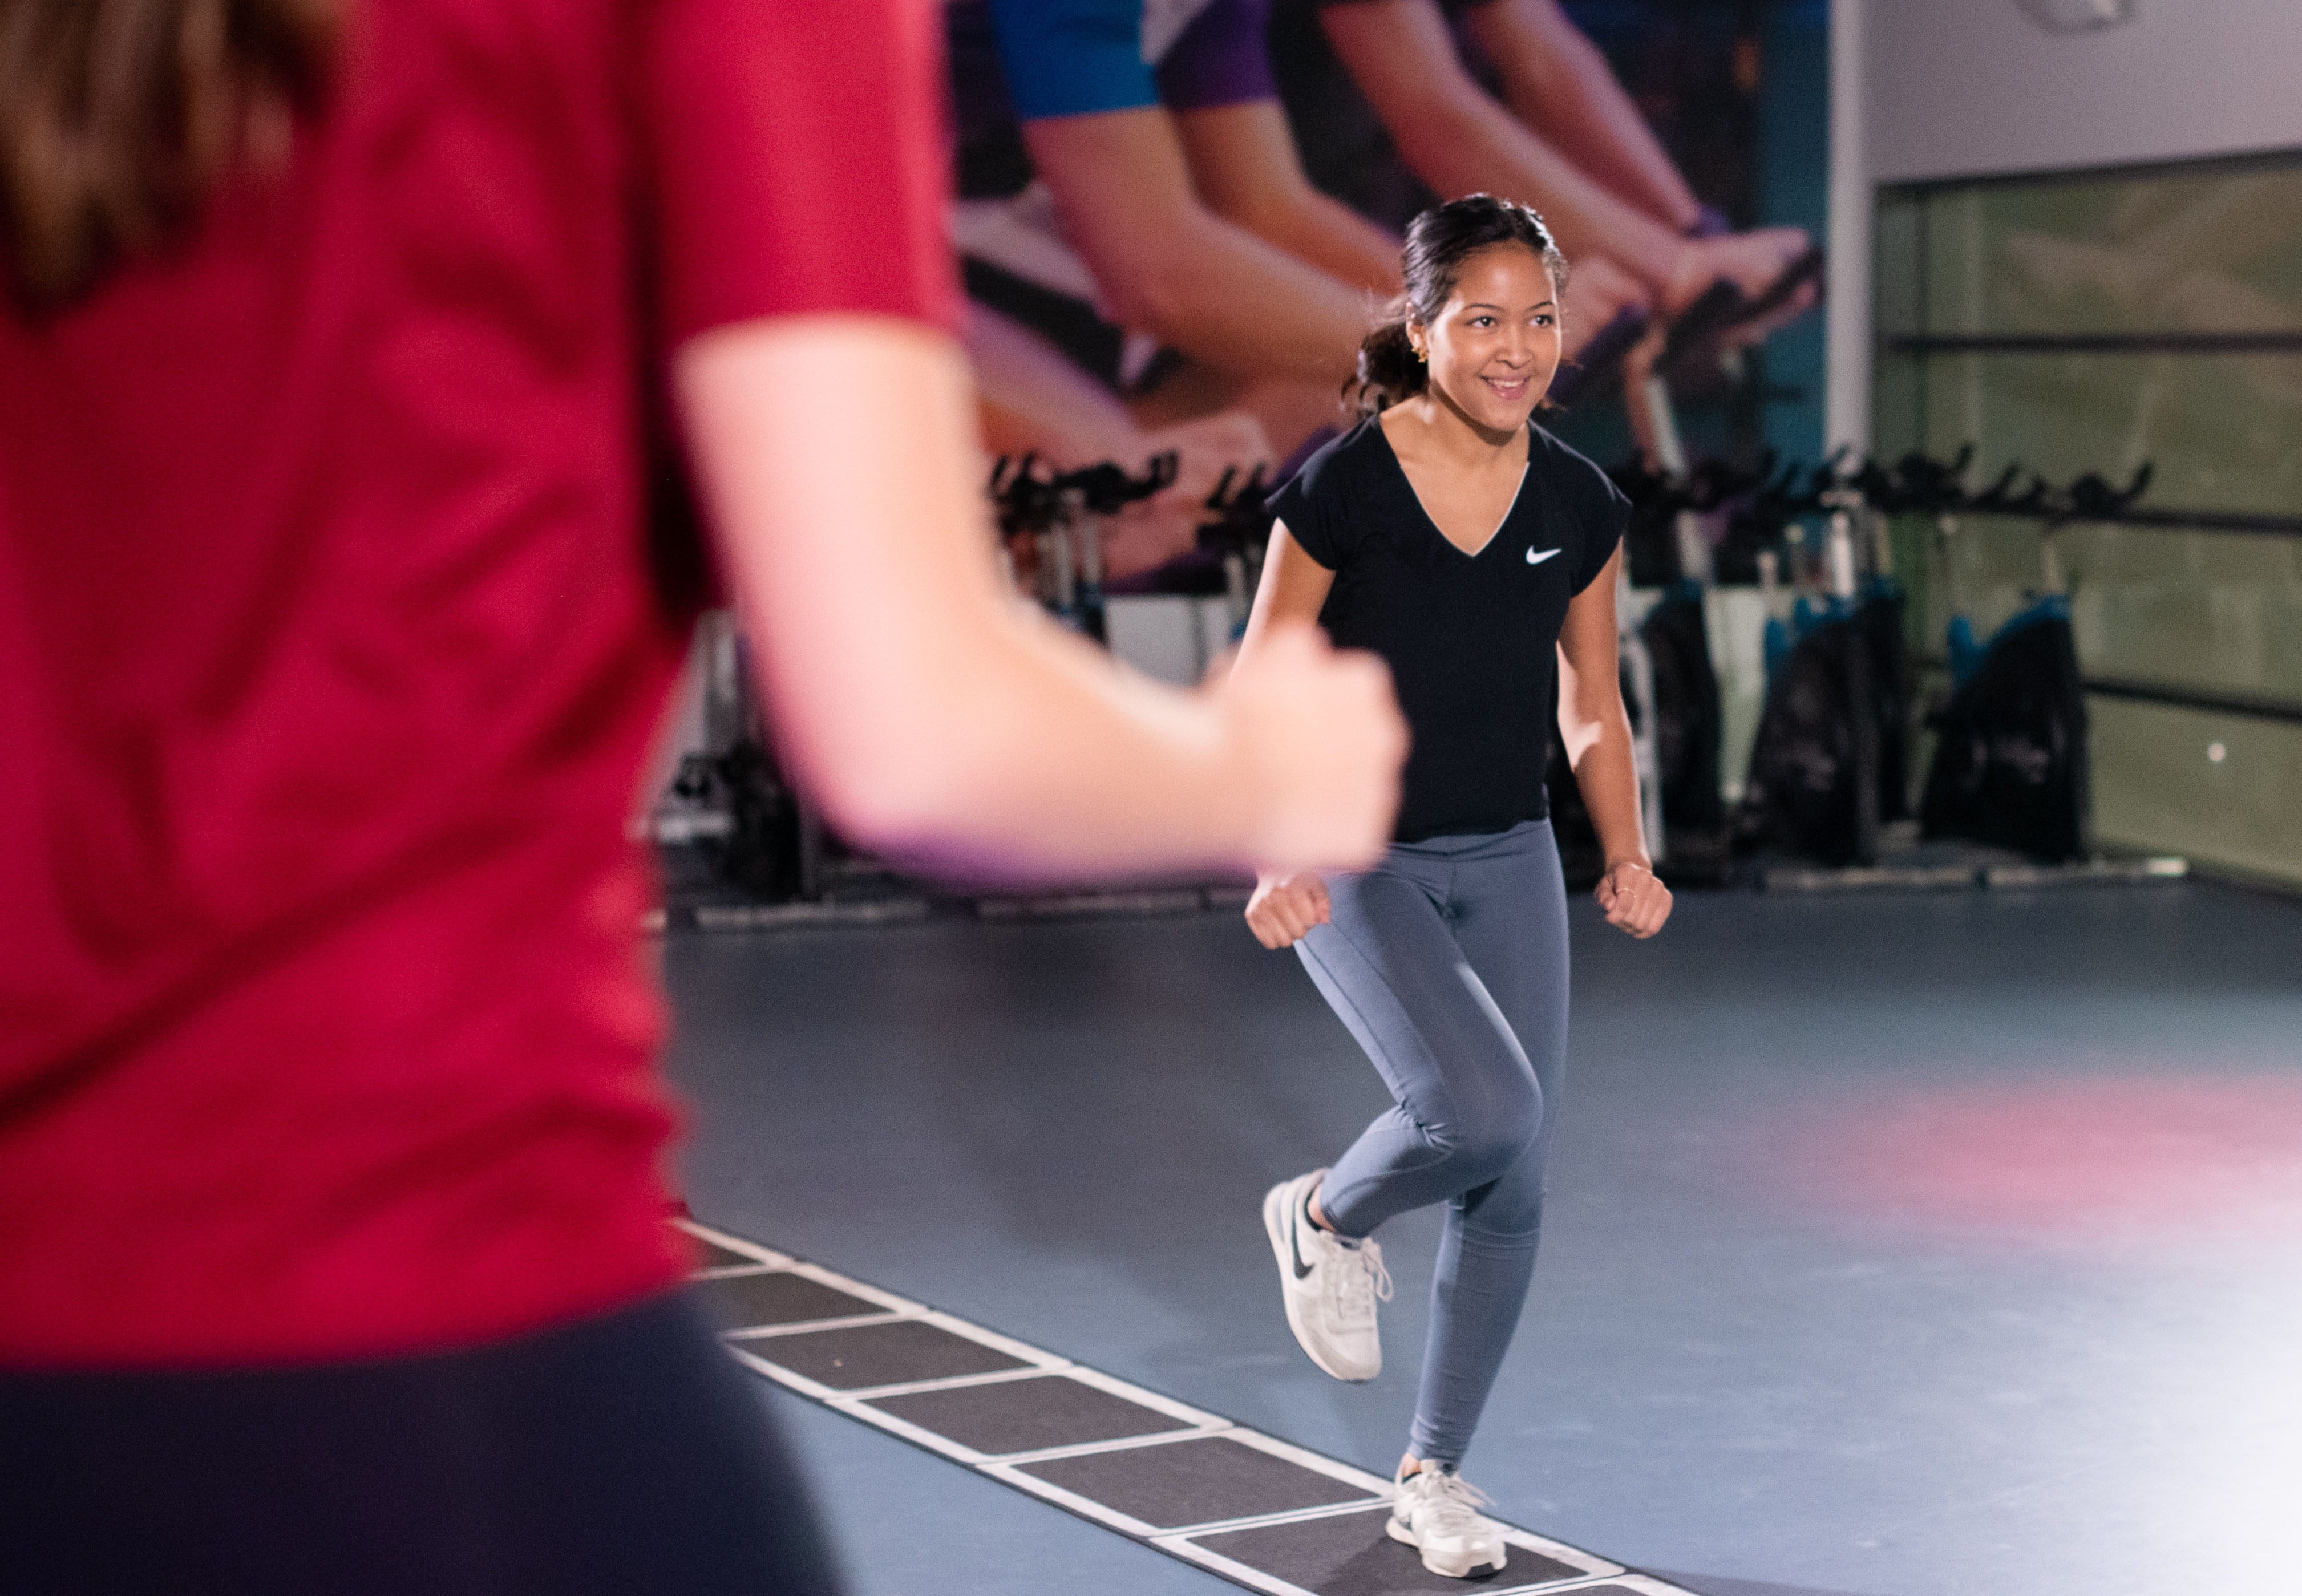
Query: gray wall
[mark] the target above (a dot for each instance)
(1948, 88)
(1964, 88)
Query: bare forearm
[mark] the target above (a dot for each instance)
(1342, 243)
(934, 718)
(1244, 167)
(1168, 264)
(1324, 233)
(1034, 400)
(1239, 304)
(1481, 147)
(1460, 142)
(1594, 728)
(1059, 764)
(1559, 84)
(1605, 773)
(1293, 590)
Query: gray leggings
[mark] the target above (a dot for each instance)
(1447, 961)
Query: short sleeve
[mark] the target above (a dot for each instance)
(1310, 505)
(1601, 512)
(796, 160)
(1220, 59)
(1072, 57)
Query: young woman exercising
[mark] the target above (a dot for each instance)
(1467, 547)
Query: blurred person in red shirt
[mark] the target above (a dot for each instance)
(332, 632)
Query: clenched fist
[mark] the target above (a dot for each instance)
(1284, 907)
(1635, 899)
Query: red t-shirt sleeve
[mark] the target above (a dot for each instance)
(797, 160)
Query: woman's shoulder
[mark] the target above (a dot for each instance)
(1585, 483)
(1562, 460)
(1340, 462)
(1324, 505)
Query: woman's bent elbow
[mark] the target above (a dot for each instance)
(902, 792)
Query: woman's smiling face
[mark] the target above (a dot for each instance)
(1495, 346)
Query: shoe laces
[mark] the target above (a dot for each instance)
(1358, 1282)
(1448, 1503)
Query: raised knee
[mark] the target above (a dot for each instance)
(1482, 1150)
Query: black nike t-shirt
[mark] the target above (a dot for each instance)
(1470, 638)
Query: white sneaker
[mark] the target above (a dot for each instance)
(1331, 1285)
(1436, 1511)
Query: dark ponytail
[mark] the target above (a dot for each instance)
(1437, 242)
(118, 119)
(1390, 370)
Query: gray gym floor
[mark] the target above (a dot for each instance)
(1902, 1246)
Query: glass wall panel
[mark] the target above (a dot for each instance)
(2221, 432)
(2204, 611)
(2084, 323)
(2199, 612)
(2219, 788)
(1898, 279)
(2210, 250)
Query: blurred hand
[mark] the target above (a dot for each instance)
(1319, 739)
(1753, 333)
(1750, 261)
(1205, 449)
(1284, 907)
(1597, 292)
(1635, 899)
(1152, 532)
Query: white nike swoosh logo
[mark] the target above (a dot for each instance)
(1534, 558)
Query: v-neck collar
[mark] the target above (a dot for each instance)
(1509, 509)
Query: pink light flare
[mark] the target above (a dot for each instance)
(2075, 1158)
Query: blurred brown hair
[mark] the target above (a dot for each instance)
(118, 118)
